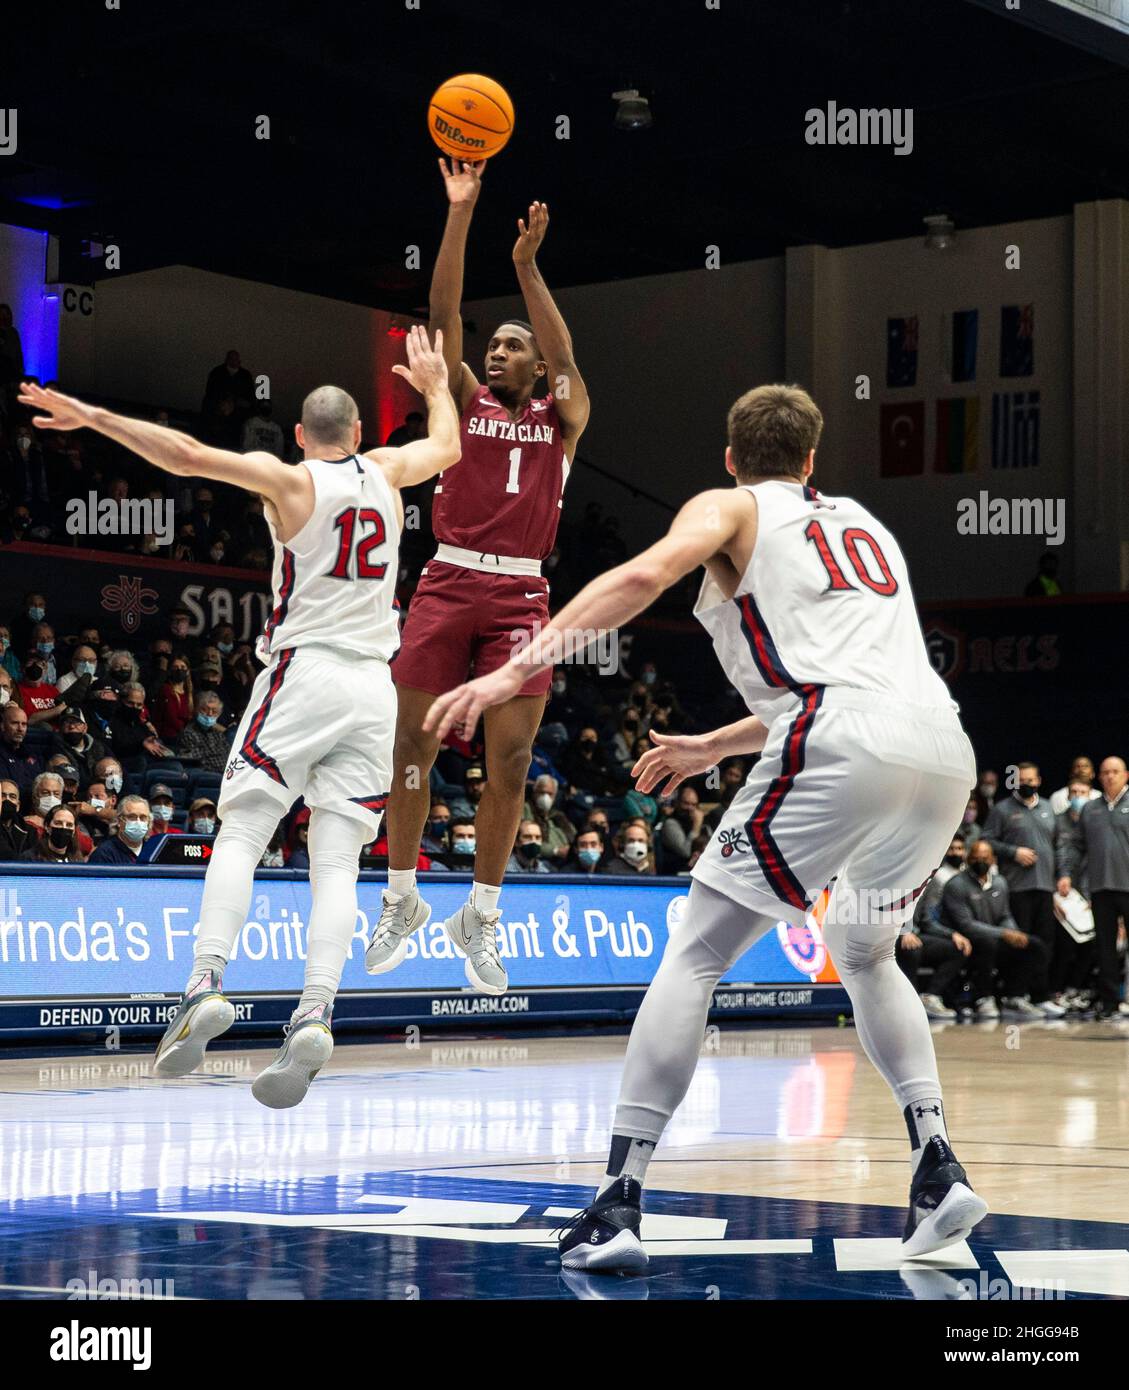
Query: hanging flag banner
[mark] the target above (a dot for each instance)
(1017, 340)
(957, 449)
(902, 447)
(1015, 429)
(962, 364)
(901, 351)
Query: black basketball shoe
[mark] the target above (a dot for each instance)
(604, 1238)
(942, 1205)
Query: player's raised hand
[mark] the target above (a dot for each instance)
(460, 708)
(426, 369)
(61, 412)
(531, 234)
(463, 179)
(677, 757)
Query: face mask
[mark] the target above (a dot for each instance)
(74, 738)
(588, 856)
(130, 712)
(225, 647)
(5, 695)
(1025, 793)
(135, 830)
(23, 444)
(5, 643)
(587, 745)
(954, 859)
(986, 789)
(179, 673)
(635, 851)
(60, 838)
(45, 803)
(36, 614)
(33, 673)
(204, 825)
(98, 802)
(640, 699)
(969, 815)
(8, 811)
(439, 828)
(648, 677)
(1076, 804)
(162, 812)
(559, 687)
(209, 684)
(543, 801)
(45, 648)
(217, 555)
(980, 866)
(205, 721)
(113, 782)
(464, 846)
(84, 668)
(120, 673)
(530, 851)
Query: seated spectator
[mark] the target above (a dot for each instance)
(46, 794)
(204, 741)
(156, 667)
(110, 774)
(587, 853)
(175, 702)
(300, 842)
(163, 807)
(970, 828)
(202, 519)
(80, 677)
(16, 763)
(39, 698)
(8, 689)
(261, 432)
(58, 843)
(436, 833)
(121, 670)
(633, 852)
(474, 784)
(631, 726)
(528, 850)
(679, 830)
(43, 645)
(639, 805)
(15, 833)
(8, 659)
(22, 630)
(133, 737)
(975, 904)
(125, 845)
(557, 831)
(585, 765)
(463, 843)
(701, 840)
(597, 820)
(202, 816)
(924, 942)
(1081, 769)
(274, 857)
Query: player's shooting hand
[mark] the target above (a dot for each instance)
(530, 235)
(61, 412)
(677, 757)
(459, 708)
(426, 370)
(463, 180)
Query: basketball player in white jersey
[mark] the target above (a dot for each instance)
(863, 775)
(322, 715)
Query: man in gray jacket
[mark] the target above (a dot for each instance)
(1102, 838)
(976, 905)
(1021, 831)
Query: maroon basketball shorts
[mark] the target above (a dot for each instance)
(464, 623)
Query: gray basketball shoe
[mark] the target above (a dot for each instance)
(475, 933)
(398, 920)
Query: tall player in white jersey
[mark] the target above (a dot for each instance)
(322, 715)
(863, 775)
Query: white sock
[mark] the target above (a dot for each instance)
(485, 896)
(924, 1117)
(401, 881)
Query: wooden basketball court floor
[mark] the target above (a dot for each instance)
(440, 1170)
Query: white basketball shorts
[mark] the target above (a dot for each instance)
(854, 789)
(320, 724)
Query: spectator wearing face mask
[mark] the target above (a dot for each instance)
(15, 834)
(633, 850)
(43, 646)
(598, 821)
(1021, 831)
(202, 818)
(585, 765)
(970, 828)
(22, 630)
(75, 684)
(9, 661)
(124, 847)
(58, 844)
(631, 727)
(121, 670)
(154, 672)
(436, 833)
(46, 794)
(528, 855)
(587, 853)
(679, 830)
(110, 774)
(133, 737)
(8, 690)
(557, 831)
(96, 812)
(463, 843)
(1081, 770)
(16, 763)
(987, 789)
(162, 806)
(976, 904)
(204, 741)
(38, 696)
(175, 701)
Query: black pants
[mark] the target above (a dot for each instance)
(1034, 914)
(1023, 969)
(941, 956)
(1108, 905)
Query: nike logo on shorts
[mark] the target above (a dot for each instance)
(536, 595)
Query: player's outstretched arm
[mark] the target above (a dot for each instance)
(424, 458)
(549, 327)
(174, 451)
(678, 756)
(704, 526)
(463, 182)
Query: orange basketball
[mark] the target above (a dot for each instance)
(471, 117)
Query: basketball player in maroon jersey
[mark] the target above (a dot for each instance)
(495, 519)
